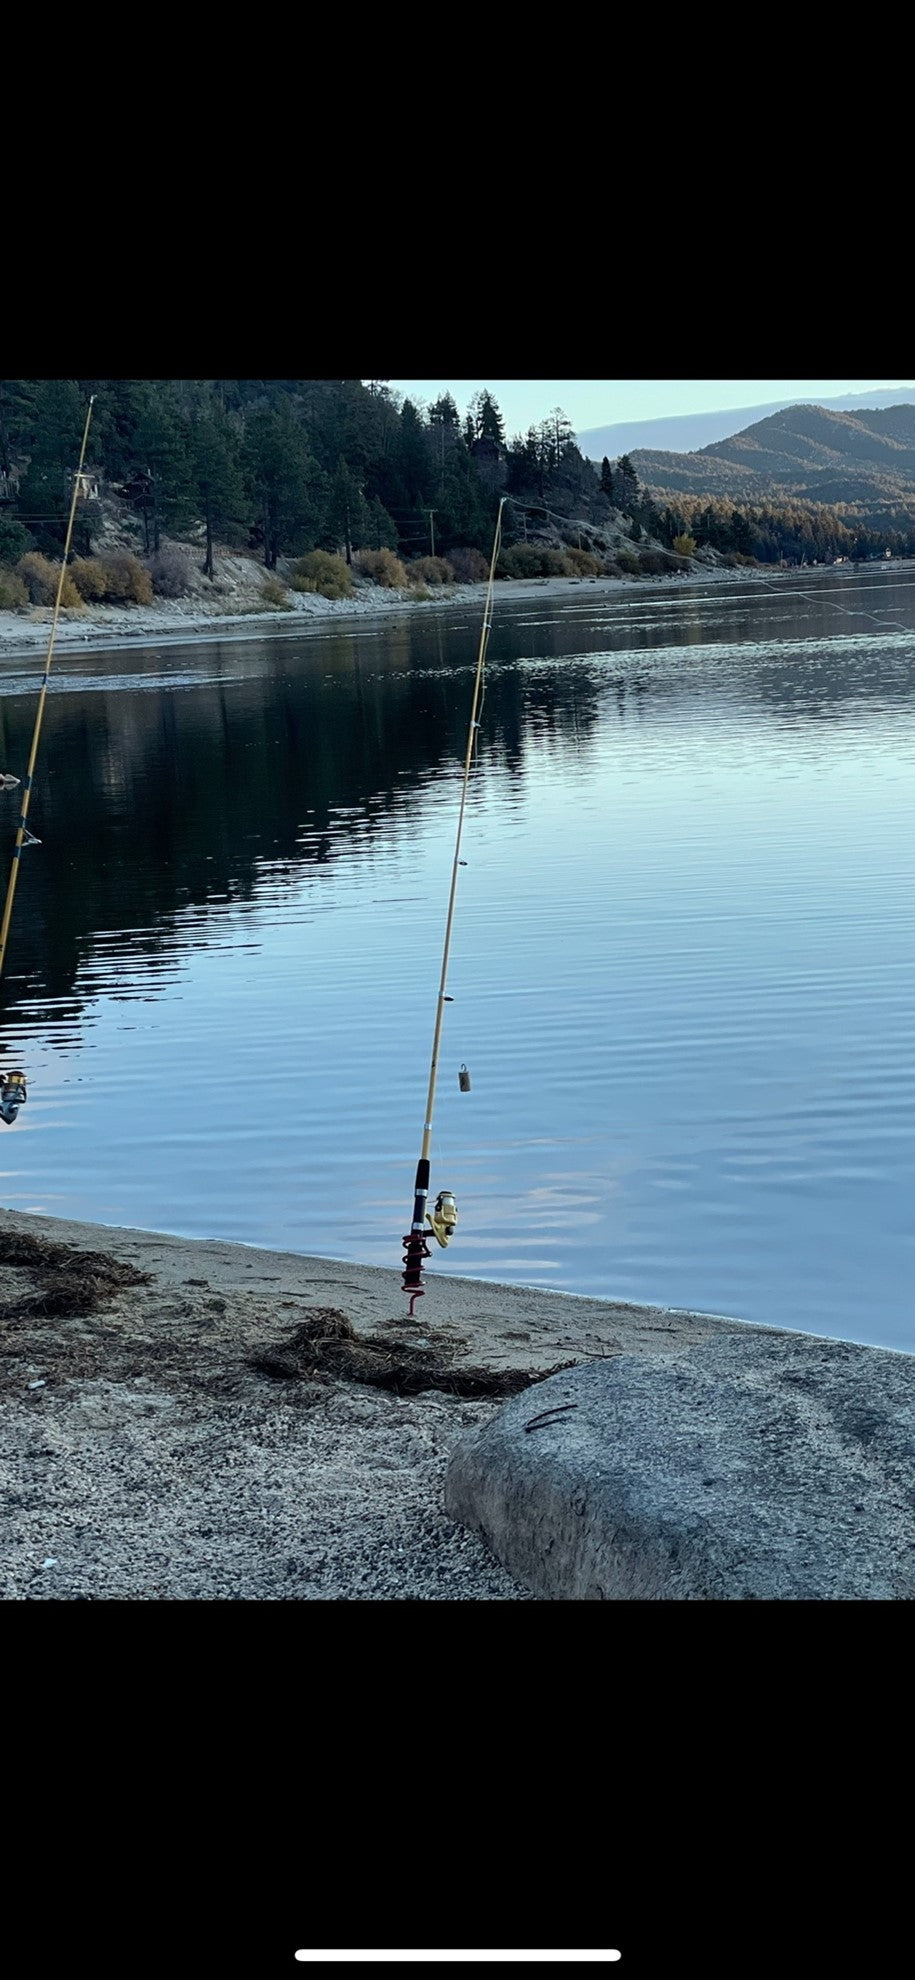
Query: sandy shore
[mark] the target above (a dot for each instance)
(197, 618)
(173, 1426)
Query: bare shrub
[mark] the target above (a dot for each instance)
(583, 562)
(382, 567)
(469, 565)
(274, 593)
(171, 574)
(41, 579)
(526, 560)
(323, 572)
(128, 582)
(521, 560)
(13, 593)
(90, 578)
(430, 570)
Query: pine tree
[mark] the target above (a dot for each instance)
(347, 515)
(285, 481)
(488, 423)
(52, 428)
(162, 456)
(216, 470)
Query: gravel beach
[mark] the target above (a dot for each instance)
(177, 1422)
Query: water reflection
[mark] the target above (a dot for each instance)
(682, 961)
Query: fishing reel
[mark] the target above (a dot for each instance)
(441, 1222)
(12, 1095)
(443, 1219)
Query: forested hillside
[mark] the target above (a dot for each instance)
(859, 465)
(286, 469)
(283, 466)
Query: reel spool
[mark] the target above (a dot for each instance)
(13, 1095)
(443, 1218)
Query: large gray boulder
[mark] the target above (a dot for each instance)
(756, 1466)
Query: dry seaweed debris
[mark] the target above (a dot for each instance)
(69, 1281)
(326, 1347)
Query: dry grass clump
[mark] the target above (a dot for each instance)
(41, 579)
(274, 593)
(584, 563)
(382, 567)
(90, 578)
(13, 593)
(118, 578)
(526, 560)
(430, 570)
(129, 583)
(322, 572)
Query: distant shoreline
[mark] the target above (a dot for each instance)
(179, 620)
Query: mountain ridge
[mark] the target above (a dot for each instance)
(863, 460)
(689, 432)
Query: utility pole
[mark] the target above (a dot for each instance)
(208, 560)
(431, 532)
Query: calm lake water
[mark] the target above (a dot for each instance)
(683, 963)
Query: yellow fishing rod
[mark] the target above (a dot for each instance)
(12, 1083)
(443, 1218)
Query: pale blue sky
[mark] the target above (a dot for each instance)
(587, 402)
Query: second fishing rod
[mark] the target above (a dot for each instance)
(13, 1092)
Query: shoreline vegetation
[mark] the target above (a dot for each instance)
(239, 613)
